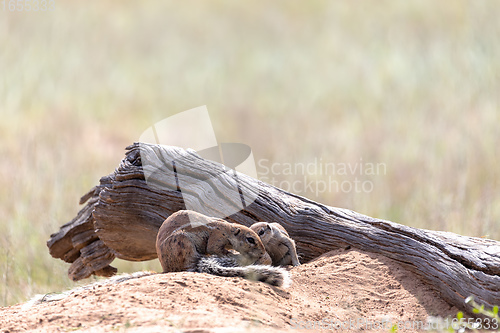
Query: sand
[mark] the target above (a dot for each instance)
(344, 290)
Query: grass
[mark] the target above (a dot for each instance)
(413, 85)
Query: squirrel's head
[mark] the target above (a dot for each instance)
(250, 247)
(263, 230)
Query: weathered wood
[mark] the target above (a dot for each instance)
(94, 259)
(77, 242)
(127, 212)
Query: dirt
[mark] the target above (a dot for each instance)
(344, 290)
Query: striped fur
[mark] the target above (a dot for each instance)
(228, 266)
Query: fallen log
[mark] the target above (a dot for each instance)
(123, 213)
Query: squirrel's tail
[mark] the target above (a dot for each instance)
(227, 266)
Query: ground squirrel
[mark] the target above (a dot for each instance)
(277, 242)
(190, 241)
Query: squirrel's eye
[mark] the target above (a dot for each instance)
(262, 231)
(251, 240)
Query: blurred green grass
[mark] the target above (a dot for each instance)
(413, 85)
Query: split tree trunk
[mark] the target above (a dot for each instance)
(122, 216)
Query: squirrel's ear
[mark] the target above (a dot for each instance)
(235, 231)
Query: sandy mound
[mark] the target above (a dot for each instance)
(343, 290)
